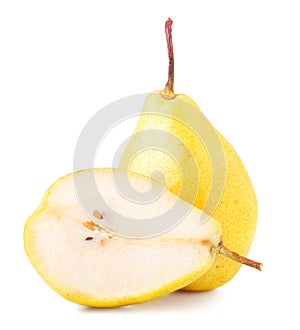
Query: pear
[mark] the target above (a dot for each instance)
(176, 144)
(93, 266)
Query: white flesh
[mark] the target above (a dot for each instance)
(108, 267)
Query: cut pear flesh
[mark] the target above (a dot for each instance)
(92, 266)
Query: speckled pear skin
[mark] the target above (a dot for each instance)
(237, 206)
(237, 213)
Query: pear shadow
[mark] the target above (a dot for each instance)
(183, 301)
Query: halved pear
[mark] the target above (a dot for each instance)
(92, 266)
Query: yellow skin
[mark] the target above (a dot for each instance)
(235, 209)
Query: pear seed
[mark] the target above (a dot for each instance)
(97, 214)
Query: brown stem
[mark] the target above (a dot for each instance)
(236, 257)
(168, 91)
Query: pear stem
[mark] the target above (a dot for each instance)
(168, 91)
(236, 257)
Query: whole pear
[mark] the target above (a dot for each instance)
(173, 137)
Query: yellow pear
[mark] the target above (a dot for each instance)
(173, 138)
(87, 264)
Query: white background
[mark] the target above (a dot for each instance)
(62, 61)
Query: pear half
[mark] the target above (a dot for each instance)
(91, 266)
